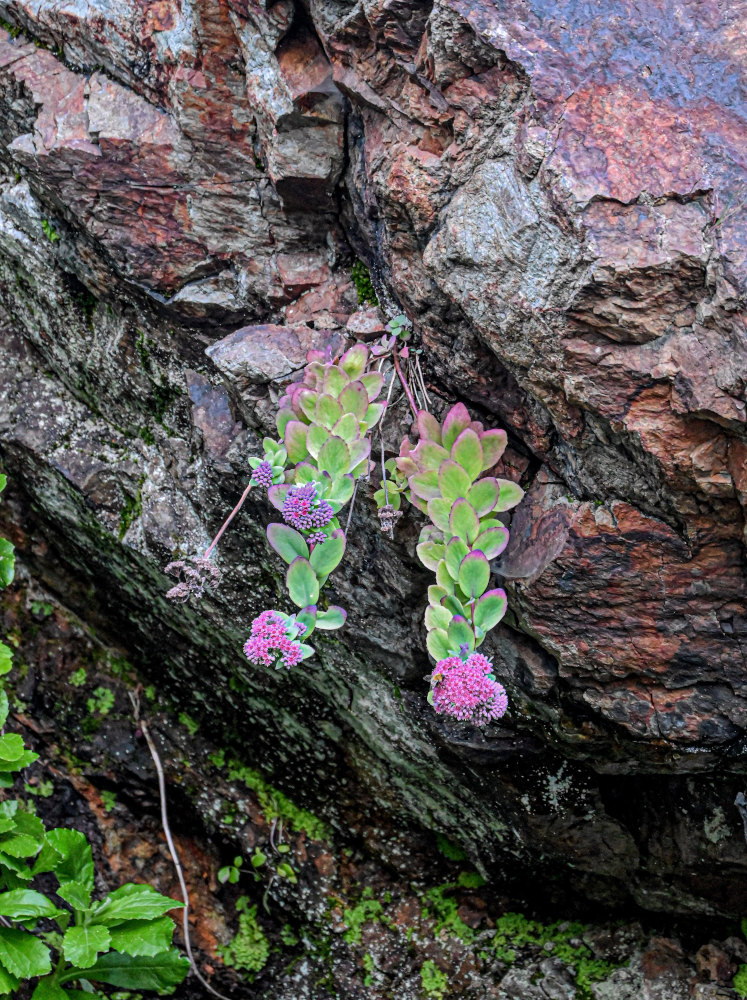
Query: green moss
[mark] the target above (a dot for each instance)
(250, 949)
(109, 799)
(470, 880)
(443, 908)
(101, 703)
(740, 981)
(449, 849)
(78, 679)
(273, 803)
(189, 723)
(146, 435)
(434, 982)
(49, 231)
(362, 280)
(13, 30)
(366, 911)
(131, 509)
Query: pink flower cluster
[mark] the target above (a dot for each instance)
(263, 475)
(303, 510)
(273, 641)
(467, 690)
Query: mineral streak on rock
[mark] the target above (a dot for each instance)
(555, 193)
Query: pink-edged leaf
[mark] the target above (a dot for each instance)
(276, 495)
(302, 582)
(334, 457)
(474, 574)
(456, 550)
(287, 542)
(438, 643)
(430, 554)
(453, 480)
(425, 485)
(328, 411)
(372, 382)
(316, 438)
(510, 495)
(467, 451)
(490, 609)
(354, 361)
(305, 473)
(493, 445)
(429, 428)
(313, 375)
(438, 512)
(335, 380)
(429, 455)
(359, 451)
(477, 427)
(327, 556)
(491, 542)
(407, 467)
(417, 502)
(373, 414)
(460, 633)
(347, 427)
(484, 496)
(306, 400)
(436, 616)
(456, 420)
(285, 414)
(463, 521)
(334, 617)
(294, 437)
(354, 399)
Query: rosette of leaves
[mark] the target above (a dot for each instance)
(64, 937)
(444, 475)
(324, 421)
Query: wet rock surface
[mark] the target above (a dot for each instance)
(555, 197)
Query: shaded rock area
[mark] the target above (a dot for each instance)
(554, 195)
(377, 910)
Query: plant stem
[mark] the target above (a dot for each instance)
(228, 520)
(403, 380)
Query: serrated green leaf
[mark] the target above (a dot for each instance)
(467, 451)
(9, 983)
(144, 937)
(81, 945)
(334, 457)
(490, 609)
(7, 562)
(474, 574)
(463, 521)
(327, 556)
(132, 902)
(70, 856)
(157, 972)
(287, 542)
(453, 481)
(302, 583)
(332, 618)
(11, 747)
(27, 757)
(25, 839)
(22, 954)
(4, 707)
(20, 904)
(6, 659)
(76, 894)
(437, 643)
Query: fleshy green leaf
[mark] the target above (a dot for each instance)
(493, 444)
(429, 428)
(295, 440)
(438, 511)
(453, 481)
(341, 489)
(425, 485)
(373, 414)
(443, 577)
(456, 550)
(354, 361)
(460, 634)
(302, 583)
(491, 542)
(306, 399)
(430, 455)
(7, 562)
(307, 651)
(335, 380)
(334, 457)
(22, 903)
(347, 428)
(81, 945)
(456, 420)
(143, 937)
(437, 643)
(284, 416)
(22, 954)
(354, 399)
(484, 496)
(430, 553)
(277, 494)
(467, 452)
(332, 618)
(328, 411)
(132, 902)
(474, 574)
(327, 556)
(287, 542)
(511, 494)
(359, 451)
(454, 605)
(160, 972)
(315, 439)
(463, 521)
(437, 617)
(436, 595)
(372, 383)
(490, 609)
(307, 617)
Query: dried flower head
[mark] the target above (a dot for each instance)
(388, 517)
(304, 510)
(467, 690)
(195, 575)
(274, 640)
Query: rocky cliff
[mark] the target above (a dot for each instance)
(554, 194)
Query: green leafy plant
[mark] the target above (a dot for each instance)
(434, 982)
(49, 231)
(740, 981)
(65, 937)
(249, 950)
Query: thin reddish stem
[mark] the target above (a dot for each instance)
(403, 380)
(228, 520)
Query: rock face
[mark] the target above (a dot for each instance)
(555, 195)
